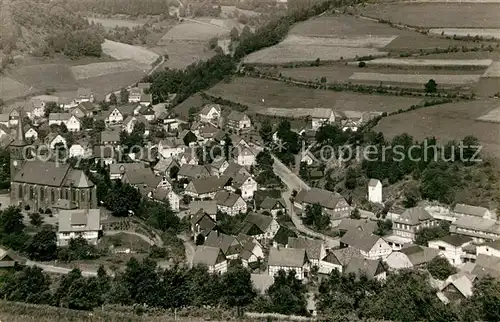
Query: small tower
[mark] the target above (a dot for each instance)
(375, 191)
(17, 149)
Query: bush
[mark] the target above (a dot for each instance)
(361, 64)
(27, 207)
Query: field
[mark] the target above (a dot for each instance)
(121, 51)
(183, 53)
(43, 76)
(415, 79)
(101, 69)
(438, 15)
(112, 23)
(10, 88)
(467, 32)
(232, 10)
(441, 63)
(452, 121)
(105, 84)
(200, 31)
(259, 94)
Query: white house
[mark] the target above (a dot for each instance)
(81, 149)
(53, 139)
(35, 107)
(245, 156)
(315, 248)
(30, 133)
(411, 221)
(238, 121)
(467, 210)
(113, 116)
(76, 223)
(203, 188)
(370, 246)
(230, 203)
(211, 113)
(171, 147)
(73, 124)
(375, 191)
(451, 247)
(246, 184)
(411, 256)
(321, 116)
(84, 95)
(332, 203)
(58, 118)
(134, 95)
(288, 259)
(260, 227)
(212, 257)
(489, 248)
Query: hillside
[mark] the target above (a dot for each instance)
(43, 27)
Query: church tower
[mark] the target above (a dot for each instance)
(17, 149)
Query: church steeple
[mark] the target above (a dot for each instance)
(19, 140)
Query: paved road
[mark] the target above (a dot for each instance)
(293, 182)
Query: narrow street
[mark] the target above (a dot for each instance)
(293, 182)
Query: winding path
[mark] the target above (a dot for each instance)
(293, 182)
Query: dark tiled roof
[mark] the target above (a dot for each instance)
(456, 240)
(324, 198)
(312, 246)
(360, 240)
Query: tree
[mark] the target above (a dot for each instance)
(36, 219)
(431, 86)
(124, 94)
(60, 297)
(228, 146)
(213, 42)
(238, 287)
(264, 161)
(51, 107)
(484, 304)
(384, 227)
(112, 99)
(246, 33)
(123, 199)
(174, 170)
(351, 179)
(287, 294)
(355, 214)
(440, 268)
(30, 285)
(78, 249)
(42, 246)
(266, 132)
(315, 217)
(200, 239)
(424, 235)
(192, 114)
(84, 294)
(234, 34)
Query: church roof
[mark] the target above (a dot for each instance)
(78, 179)
(19, 139)
(52, 174)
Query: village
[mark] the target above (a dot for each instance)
(266, 231)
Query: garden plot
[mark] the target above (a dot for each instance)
(437, 15)
(416, 79)
(101, 69)
(352, 41)
(201, 31)
(467, 32)
(122, 51)
(443, 63)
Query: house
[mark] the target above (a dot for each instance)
(131, 121)
(81, 149)
(212, 257)
(375, 191)
(105, 154)
(315, 248)
(54, 140)
(218, 166)
(59, 118)
(235, 170)
(411, 256)
(238, 121)
(162, 168)
(457, 288)
(189, 157)
(288, 259)
(84, 95)
(321, 116)
(260, 227)
(147, 112)
(230, 203)
(9, 259)
(329, 263)
(5, 119)
(480, 229)
(146, 99)
(211, 113)
(308, 158)
(74, 124)
(113, 116)
(29, 132)
(85, 109)
(134, 95)
(15, 116)
(85, 223)
(207, 132)
(209, 207)
(347, 224)
(370, 246)
(163, 195)
(371, 268)
(332, 203)
(274, 206)
(490, 248)
(110, 137)
(142, 177)
(202, 223)
(252, 251)
(191, 172)
(411, 221)
(451, 247)
(229, 245)
(35, 107)
(245, 156)
(203, 188)
(467, 210)
(117, 170)
(244, 183)
(171, 147)
(4, 131)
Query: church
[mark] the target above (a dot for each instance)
(46, 184)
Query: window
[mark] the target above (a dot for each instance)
(32, 193)
(20, 192)
(82, 196)
(66, 194)
(42, 193)
(441, 248)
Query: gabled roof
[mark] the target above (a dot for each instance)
(142, 176)
(366, 225)
(414, 216)
(110, 136)
(87, 106)
(344, 255)
(236, 116)
(165, 164)
(207, 108)
(42, 173)
(59, 116)
(455, 240)
(326, 199)
(471, 210)
(121, 168)
(360, 240)
(208, 206)
(321, 113)
(270, 203)
(493, 244)
(206, 255)
(79, 220)
(419, 255)
(283, 234)
(287, 257)
(312, 246)
(373, 183)
(360, 266)
(78, 179)
(193, 171)
(207, 185)
(228, 244)
(262, 222)
(226, 198)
